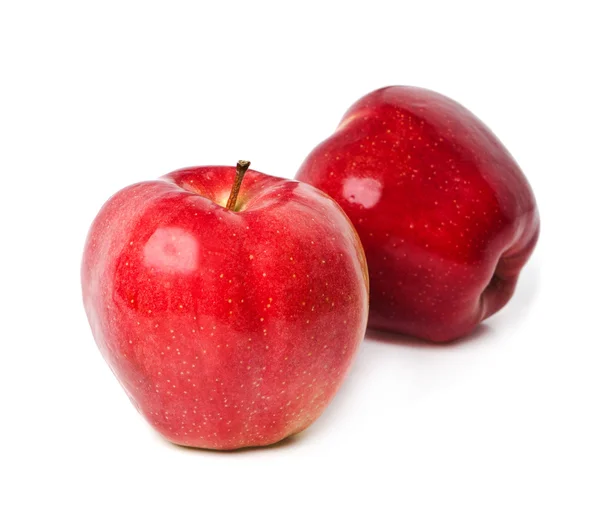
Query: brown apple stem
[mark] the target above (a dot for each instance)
(240, 170)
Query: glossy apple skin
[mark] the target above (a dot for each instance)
(445, 215)
(227, 329)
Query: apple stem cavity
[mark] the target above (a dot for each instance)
(240, 170)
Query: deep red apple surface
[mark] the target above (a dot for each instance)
(227, 328)
(445, 215)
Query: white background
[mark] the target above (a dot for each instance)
(98, 95)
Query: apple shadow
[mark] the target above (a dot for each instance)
(391, 338)
(286, 442)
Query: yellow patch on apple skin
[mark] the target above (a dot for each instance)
(222, 199)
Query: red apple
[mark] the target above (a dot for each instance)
(445, 215)
(227, 327)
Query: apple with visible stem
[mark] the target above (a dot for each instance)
(445, 214)
(230, 315)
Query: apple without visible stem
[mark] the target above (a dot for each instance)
(227, 327)
(445, 215)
